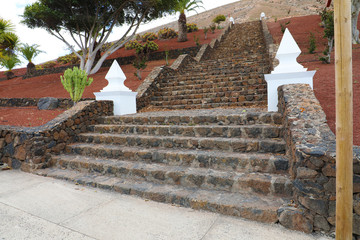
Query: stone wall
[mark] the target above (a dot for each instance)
(28, 102)
(159, 74)
(174, 53)
(311, 148)
(30, 148)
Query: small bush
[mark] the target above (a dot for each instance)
(191, 27)
(312, 43)
(70, 58)
(212, 28)
(132, 44)
(49, 64)
(167, 33)
(219, 18)
(283, 26)
(106, 47)
(149, 36)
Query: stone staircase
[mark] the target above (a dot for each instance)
(229, 161)
(226, 160)
(230, 76)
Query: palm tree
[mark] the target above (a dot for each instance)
(29, 52)
(9, 62)
(181, 7)
(8, 39)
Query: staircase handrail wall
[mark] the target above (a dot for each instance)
(311, 148)
(29, 148)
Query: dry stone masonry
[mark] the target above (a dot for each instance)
(30, 148)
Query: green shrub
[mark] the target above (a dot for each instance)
(283, 26)
(167, 33)
(106, 47)
(149, 36)
(132, 44)
(191, 27)
(312, 43)
(219, 18)
(142, 54)
(70, 58)
(48, 64)
(212, 28)
(74, 81)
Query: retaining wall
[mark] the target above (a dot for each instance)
(311, 148)
(30, 148)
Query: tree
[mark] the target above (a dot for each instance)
(9, 62)
(355, 8)
(29, 52)
(182, 6)
(8, 39)
(90, 23)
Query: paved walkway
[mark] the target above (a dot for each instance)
(33, 207)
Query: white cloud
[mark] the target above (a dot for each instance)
(13, 9)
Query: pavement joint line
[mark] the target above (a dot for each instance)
(46, 220)
(211, 227)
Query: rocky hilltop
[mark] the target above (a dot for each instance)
(249, 10)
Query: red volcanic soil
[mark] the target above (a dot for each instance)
(324, 79)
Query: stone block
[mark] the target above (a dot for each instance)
(20, 153)
(295, 219)
(303, 172)
(320, 222)
(47, 103)
(319, 206)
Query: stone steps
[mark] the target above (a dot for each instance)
(204, 143)
(189, 105)
(240, 116)
(249, 206)
(244, 131)
(226, 161)
(235, 101)
(216, 92)
(202, 178)
(224, 96)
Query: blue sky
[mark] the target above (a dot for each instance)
(12, 9)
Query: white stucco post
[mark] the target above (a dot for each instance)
(289, 71)
(124, 99)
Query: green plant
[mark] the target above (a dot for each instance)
(283, 26)
(70, 58)
(74, 81)
(191, 27)
(167, 33)
(9, 62)
(275, 19)
(218, 19)
(212, 28)
(205, 31)
(142, 52)
(327, 17)
(29, 52)
(312, 43)
(149, 36)
(197, 40)
(48, 64)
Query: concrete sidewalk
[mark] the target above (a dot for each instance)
(33, 207)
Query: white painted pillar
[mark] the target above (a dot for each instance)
(289, 71)
(124, 99)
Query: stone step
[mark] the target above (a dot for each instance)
(207, 81)
(249, 206)
(203, 178)
(223, 144)
(247, 100)
(226, 161)
(178, 97)
(236, 116)
(242, 131)
(200, 92)
(190, 105)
